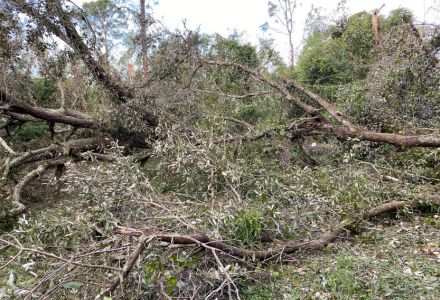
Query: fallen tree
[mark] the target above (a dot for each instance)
(15, 109)
(287, 247)
(325, 118)
(345, 129)
(322, 119)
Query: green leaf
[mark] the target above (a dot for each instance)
(73, 284)
(171, 282)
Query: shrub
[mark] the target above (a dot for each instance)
(31, 131)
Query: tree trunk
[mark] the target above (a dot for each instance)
(376, 28)
(144, 42)
(65, 116)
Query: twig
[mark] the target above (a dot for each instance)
(213, 292)
(45, 278)
(226, 273)
(51, 255)
(117, 280)
(15, 256)
(250, 127)
(162, 292)
(255, 94)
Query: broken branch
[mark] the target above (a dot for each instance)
(287, 248)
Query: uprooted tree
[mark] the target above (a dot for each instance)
(143, 119)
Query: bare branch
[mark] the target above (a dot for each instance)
(250, 127)
(6, 146)
(70, 117)
(53, 256)
(117, 280)
(19, 188)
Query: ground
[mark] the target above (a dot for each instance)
(395, 256)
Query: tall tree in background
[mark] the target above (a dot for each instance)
(109, 21)
(144, 42)
(283, 12)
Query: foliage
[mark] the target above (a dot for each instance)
(31, 131)
(44, 91)
(107, 22)
(234, 80)
(343, 51)
(404, 83)
(397, 18)
(229, 159)
(358, 37)
(9, 35)
(247, 226)
(325, 61)
(339, 54)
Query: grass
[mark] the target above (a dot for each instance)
(399, 261)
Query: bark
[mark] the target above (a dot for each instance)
(285, 17)
(242, 123)
(6, 146)
(376, 26)
(289, 11)
(21, 117)
(70, 117)
(10, 104)
(340, 117)
(144, 42)
(56, 150)
(117, 280)
(345, 132)
(284, 154)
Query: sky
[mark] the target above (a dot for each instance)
(246, 16)
(225, 16)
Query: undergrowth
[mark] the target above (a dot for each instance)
(257, 207)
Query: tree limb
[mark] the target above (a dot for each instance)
(71, 118)
(348, 129)
(68, 148)
(19, 188)
(67, 32)
(6, 146)
(117, 280)
(287, 248)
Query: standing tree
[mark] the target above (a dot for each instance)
(109, 22)
(283, 12)
(144, 42)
